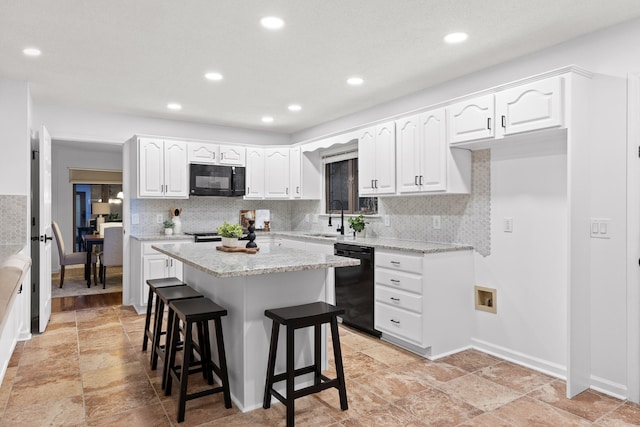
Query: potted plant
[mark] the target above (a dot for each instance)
(168, 226)
(357, 224)
(230, 234)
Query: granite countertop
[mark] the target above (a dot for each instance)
(161, 236)
(377, 242)
(270, 259)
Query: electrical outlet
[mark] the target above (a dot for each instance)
(437, 222)
(135, 219)
(159, 218)
(507, 225)
(387, 221)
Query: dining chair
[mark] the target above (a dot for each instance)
(111, 255)
(69, 258)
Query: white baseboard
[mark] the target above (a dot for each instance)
(619, 391)
(540, 365)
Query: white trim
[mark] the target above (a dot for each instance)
(537, 364)
(616, 390)
(633, 237)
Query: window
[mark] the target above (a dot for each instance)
(341, 189)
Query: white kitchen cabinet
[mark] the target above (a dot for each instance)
(472, 119)
(232, 155)
(255, 173)
(203, 153)
(147, 263)
(276, 168)
(162, 169)
(529, 107)
(422, 302)
(295, 175)
(377, 160)
(425, 162)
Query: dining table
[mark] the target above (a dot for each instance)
(90, 240)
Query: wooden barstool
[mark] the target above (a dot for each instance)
(153, 284)
(165, 297)
(199, 312)
(296, 317)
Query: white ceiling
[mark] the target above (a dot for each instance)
(135, 56)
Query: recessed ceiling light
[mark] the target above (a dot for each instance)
(267, 119)
(455, 37)
(31, 51)
(213, 76)
(272, 22)
(355, 81)
(294, 107)
(174, 106)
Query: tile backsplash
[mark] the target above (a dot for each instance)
(465, 218)
(13, 211)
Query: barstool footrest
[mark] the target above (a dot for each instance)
(301, 371)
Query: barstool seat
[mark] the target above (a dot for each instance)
(296, 317)
(199, 312)
(153, 284)
(165, 296)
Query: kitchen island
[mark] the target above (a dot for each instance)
(248, 284)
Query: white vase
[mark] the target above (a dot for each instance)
(168, 231)
(177, 225)
(230, 242)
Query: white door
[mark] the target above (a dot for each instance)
(176, 170)
(46, 233)
(434, 151)
(151, 168)
(367, 162)
(472, 119)
(276, 161)
(385, 159)
(408, 154)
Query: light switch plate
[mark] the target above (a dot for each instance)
(387, 221)
(600, 228)
(159, 218)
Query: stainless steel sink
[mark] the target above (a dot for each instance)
(329, 235)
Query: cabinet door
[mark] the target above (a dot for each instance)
(150, 167)
(202, 153)
(174, 268)
(296, 172)
(232, 155)
(366, 162)
(176, 182)
(408, 152)
(255, 173)
(276, 161)
(385, 159)
(472, 119)
(434, 148)
(155, 266)
(530, 107)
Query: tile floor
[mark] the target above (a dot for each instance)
(88, 370)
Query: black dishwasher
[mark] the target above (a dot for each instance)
(354, 287)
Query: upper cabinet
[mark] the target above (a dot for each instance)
(295, 175)
(425, 163)
(277, 171)
(162, 169)
(255, 173)
(215, 154)
(524, 108)
(376, 160)
(472, 119)
(530, 107)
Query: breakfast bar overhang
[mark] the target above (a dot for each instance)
(248, 284)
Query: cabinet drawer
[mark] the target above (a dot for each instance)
(402, 262)
(399, 299)
(398, 322)
(399, 280)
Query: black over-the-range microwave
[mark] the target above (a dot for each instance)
(216, 180)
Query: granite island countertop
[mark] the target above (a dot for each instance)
(377, 242)
(270, 259)
(7, 251)
(162, 236)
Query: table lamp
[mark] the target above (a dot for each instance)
(100, 209)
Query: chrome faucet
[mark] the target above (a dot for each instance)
(341, 228)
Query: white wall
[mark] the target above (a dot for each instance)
(528, 266)
(15, 144)
(73, 124)
(64, 156)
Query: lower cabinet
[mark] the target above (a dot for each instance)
(424, 302)
(147, 263)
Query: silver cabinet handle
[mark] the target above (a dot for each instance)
(421, 179)
(394, 299)
(395, 262)
(397, 322)
(504, 122)
(298, 190)
(286, 190)
(221, 156)
(213, 155)
(376, 183)
(166, 263)
(415, 180)
(489, 123)
(372, 184)
(396, 281)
